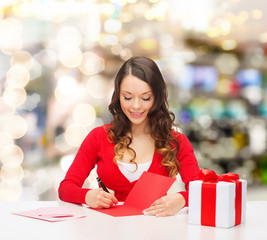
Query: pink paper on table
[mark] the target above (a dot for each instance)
(51, 214)
(147, 189)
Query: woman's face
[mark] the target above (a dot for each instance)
(136, 99)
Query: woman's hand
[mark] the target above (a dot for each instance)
(166, 206)
(98, 198)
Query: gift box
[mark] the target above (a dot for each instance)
(218, 201)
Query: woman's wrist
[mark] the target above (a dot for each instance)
(181, 200)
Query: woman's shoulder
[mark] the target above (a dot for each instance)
(179, 136)
(97, 135)
(184, 142)
(176, 133)
(100, 130)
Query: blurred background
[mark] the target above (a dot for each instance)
(58, 60)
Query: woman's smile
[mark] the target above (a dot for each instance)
(136, 114)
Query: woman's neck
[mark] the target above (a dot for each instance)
(141, 129)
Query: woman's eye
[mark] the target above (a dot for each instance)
(127, 99)
(146, 99)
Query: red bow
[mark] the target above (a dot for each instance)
(207, 175)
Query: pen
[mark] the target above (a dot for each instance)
(101, 184)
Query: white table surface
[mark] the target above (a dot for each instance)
(101, 226)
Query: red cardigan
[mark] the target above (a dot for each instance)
(96, 149)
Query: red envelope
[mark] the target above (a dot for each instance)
(147, 189)
(50, 214)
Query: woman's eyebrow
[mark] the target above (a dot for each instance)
(131, 93)
(126, 91)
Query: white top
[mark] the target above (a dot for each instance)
(130, 172)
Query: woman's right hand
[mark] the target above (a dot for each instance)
(98, 198)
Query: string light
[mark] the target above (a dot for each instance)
(17, 76)
(96, 86)
(228, 44)
(65, 90)
(256, 14)
(69, 36)
(23, 58)
(84, 115)
(91, 64)
(70, 56)
(14, 97)
(10, 32)
(74, 135)
(11, 153)
(15, 126)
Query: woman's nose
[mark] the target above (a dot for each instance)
(136, 103)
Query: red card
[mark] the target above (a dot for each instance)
(147, 189)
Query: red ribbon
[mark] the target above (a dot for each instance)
(208, 196)
(207, 175)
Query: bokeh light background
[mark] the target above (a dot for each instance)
(58, 60)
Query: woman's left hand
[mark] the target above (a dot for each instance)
(166, 206)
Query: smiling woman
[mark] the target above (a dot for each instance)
(140, 138)
(140, 119)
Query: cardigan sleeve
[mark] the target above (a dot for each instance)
(70, 189)
(189, 168)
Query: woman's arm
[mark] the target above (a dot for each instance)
(189, 168)
(70, 189)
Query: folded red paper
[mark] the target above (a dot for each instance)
(147, 189)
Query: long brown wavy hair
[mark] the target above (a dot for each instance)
(161, 120)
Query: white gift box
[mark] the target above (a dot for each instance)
(225, 203)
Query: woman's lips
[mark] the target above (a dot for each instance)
(136, 114)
